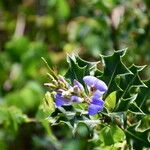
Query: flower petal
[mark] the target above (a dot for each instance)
(95, 82)
(100, 85)
(94, 109)
(97, 102)
(98, 94)
(59, 100)
(89, 80)
(95, 106)
(76, 99)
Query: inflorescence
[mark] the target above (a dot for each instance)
(67, 94)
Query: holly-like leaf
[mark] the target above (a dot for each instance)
(130, 81)
(135, 109)
(143, 99)
(123, 104)
(78, 68)
(141, 137)
(113, 67)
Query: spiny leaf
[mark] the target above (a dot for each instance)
(123, 104)
(83, 63)
(135, 109)
(98, 73)
(113, 67)
(77, 69)
(139, 136)
(130, 81)
(143, 98)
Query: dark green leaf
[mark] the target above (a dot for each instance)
(139, 136)
(113, 67)
(129, 81)
(143, 99)
(77, 69)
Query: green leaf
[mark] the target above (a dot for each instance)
(113, 67)
(129, 84)
(130, 81)
(78, 68)
(143, 98)
(111, 135)
(106, 137)
(17, 46)
(143, 137)
(145, 122)
(82, 130)
(117, 133)
(135, 109)
(110, 101)
(27, 98)
(123, 104)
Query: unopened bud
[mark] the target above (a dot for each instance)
(50, 76)
(76, 89)
(49, 85)
(62, 80)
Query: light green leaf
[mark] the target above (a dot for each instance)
(111, 134)
(110, 101)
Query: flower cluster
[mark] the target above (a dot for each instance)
(65, 94)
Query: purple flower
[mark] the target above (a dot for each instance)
(96, 83)
(96, 104)
(98, 94)
(95, 107)
(59, 100)
(75, 94)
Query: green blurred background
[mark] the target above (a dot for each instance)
(31, 29)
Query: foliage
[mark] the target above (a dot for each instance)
(118, 125)
(32, 29)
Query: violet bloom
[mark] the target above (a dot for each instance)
(95, 83)
(96, 103)
(60, 99)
